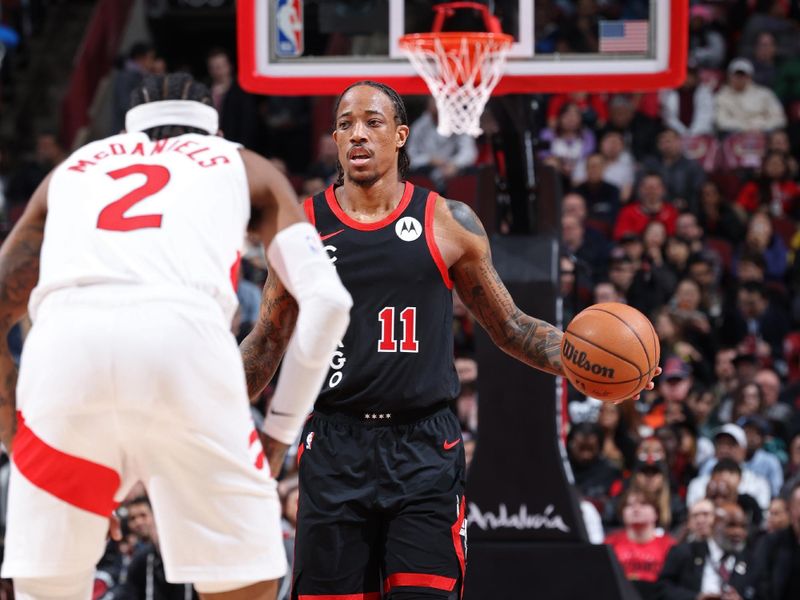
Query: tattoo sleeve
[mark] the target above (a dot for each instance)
(19, 272)
(263, 348)
(533, 341)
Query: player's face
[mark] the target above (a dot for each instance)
(367, 135)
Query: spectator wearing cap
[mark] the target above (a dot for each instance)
(758, 460)
(742, 105)
(730, 442)
(717, 569)
(779, 556)
(689, 109)
(651, 205)
(639, 547)
(673, 387)
(602, 197)
(681, 175)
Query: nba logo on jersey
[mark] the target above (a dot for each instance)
(289, 25)
(408, 229)
(309, 440)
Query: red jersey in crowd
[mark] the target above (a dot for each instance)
(781, 200)
(632, 219)
(641, 562)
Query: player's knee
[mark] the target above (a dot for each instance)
(64, 587)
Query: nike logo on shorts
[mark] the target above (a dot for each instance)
(451, 445)
(330, 235)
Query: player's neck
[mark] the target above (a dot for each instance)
(372, 202)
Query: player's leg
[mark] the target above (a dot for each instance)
(425, 554)
(67, 467)
(339, 536)
(215, 505)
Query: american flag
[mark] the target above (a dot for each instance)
(624, 36)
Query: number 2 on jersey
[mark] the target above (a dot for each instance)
(113, 218)
(409, 343)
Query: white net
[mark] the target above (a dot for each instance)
(461, 76)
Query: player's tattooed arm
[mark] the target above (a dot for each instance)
(264, 347)
(19, 272)
(533, 341)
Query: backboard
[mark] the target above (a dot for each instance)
(313, 47)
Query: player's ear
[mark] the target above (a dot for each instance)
(401, 135)
(220, 133)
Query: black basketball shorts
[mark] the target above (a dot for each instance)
(381, 508)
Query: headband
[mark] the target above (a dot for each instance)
(188, 113)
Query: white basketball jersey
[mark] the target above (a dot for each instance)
(130, 210)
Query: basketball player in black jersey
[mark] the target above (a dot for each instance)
(382, 472)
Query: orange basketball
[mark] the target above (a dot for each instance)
(610, 351)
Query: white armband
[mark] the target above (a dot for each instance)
(297, 256)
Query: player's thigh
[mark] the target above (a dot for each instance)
(339, 538)
(215, 504)
(263, 590)
(425, 549)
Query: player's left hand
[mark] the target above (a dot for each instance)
(649, 386)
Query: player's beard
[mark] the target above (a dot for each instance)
(363, 180)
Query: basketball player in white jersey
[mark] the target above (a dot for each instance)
(130, 371)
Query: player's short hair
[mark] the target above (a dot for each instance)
(172, 86)
(400, 118)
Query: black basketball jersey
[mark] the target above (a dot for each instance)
(397, 353)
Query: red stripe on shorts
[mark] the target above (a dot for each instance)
(456, 531)
(77, 481)
(437, 582)
(362, 596)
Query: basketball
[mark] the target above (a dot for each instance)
(610, 351)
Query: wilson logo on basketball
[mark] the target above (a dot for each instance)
(579, 359)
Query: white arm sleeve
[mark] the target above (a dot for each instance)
(297, 256)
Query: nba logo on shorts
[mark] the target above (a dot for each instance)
(289, 25)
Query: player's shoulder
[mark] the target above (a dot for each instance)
(458, 216)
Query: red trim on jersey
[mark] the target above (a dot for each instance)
(308, 207)
(235, 271)
(82, 483)
(361, 596)
(333, 203)
(437, 582)
(456, 531)
(430, 210)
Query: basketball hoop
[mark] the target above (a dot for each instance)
(460, 68)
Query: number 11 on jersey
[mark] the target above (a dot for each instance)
(408, 317)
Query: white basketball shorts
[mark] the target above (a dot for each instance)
(125, 383)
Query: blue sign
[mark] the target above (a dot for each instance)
(289, 28)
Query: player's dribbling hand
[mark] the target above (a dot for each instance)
(649, 386)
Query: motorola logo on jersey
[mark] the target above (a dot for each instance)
(408, 229)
